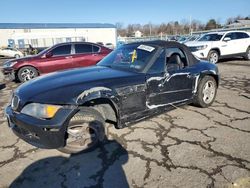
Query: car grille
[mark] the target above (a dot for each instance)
(15, 102)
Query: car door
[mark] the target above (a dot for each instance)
(58, 58)
(228, 47)
(242, 42)
(85, 55)
(174, 84)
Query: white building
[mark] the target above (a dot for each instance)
(45, 35)
(239, 23)
(138, 34)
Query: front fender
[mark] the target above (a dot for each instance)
(97, 93)
(103, 95)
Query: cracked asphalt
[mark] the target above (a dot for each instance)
(186, 147)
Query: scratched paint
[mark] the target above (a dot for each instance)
(196, 84)
(92, 90)
(166, 78)
(161, 105)
(155, 78)
(176, 74)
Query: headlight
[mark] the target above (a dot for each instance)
(9, 63)
(37, 110)
(200, 47)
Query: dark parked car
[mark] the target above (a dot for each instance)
(68, 110)
(59, 57)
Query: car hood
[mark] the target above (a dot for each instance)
(27, 58)
(64, 87)
(8, 62)
(198, 43)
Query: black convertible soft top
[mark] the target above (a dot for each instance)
(172, 44)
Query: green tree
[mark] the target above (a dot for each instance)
(211, 24)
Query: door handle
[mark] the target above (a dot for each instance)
(68, 57)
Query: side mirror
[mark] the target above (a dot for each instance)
(49, 54)
(226, 39)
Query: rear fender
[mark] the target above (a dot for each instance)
(210, 73)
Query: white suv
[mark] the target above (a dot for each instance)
(217, 45)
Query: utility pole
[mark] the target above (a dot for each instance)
(150, 29)
(190, 25)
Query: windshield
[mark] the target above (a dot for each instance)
(132, 57)
(211, 37)
(193, 38)
(182, 39)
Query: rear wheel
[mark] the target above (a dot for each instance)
(206, 92)
(17, 56)
(85, 131)
(213, 56)
(26, 73)
(247, 55)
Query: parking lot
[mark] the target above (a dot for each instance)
(186, 147)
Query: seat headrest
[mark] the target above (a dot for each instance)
(174, 59)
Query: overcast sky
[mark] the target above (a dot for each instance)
(124, 11)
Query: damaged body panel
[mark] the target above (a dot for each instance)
(134, 82)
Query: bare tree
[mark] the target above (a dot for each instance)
(172, 28)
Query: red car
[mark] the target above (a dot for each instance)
(58, 57)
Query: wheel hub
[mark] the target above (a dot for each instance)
(208, 92)
(248, 54)
(27, 74)
(213, 58)
(81, 136)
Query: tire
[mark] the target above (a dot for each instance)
(213, 57)
(206, 92)
(247, 56)
(26, 73)
(17, 56)
(86, 130)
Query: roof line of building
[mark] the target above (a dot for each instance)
(54, 25)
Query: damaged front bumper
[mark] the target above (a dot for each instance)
(42, 133)
(9, 73)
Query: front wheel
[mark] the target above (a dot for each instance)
(213, 56)
(85, 131)
(17, 56)
(26, 73)
(206, 92)
(247, 55)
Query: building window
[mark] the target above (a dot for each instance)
(59, 40)
(34, 42)
(26, 31)
(68, 39)
(80, 39)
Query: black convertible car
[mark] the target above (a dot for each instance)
(68, 110)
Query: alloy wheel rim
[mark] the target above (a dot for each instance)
(27, 74)
(208, 92)
(81, 136)
(248, 54)
(213, 58)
